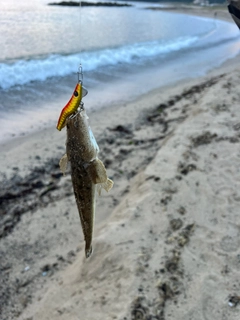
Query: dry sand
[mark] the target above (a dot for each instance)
(167, 236)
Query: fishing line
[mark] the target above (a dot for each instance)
(80, 73)
(75, 104)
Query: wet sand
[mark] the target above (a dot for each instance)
(166, 243)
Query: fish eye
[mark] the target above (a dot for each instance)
(75, 93)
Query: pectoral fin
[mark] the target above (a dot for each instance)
(63, 164)
(98, 175)
(107, 185)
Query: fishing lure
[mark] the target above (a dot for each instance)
(71, 106)
(74, 102)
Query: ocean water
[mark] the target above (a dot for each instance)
(124, 53)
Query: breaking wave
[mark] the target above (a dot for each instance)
(24, 71)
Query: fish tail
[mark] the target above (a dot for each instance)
(88, 250)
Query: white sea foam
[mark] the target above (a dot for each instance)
(24, 71)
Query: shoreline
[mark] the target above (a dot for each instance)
(58, 138)
(65, 85)
(214, 12)
(166, 237)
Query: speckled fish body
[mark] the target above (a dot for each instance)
(87, 172)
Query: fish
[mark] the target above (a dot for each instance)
(88, 172)
(72, 105)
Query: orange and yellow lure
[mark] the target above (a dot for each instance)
(71, 106)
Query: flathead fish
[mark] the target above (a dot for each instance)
(87, 171)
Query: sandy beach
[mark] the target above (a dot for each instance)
(166, 239)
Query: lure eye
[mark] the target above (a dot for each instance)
(75, 93)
